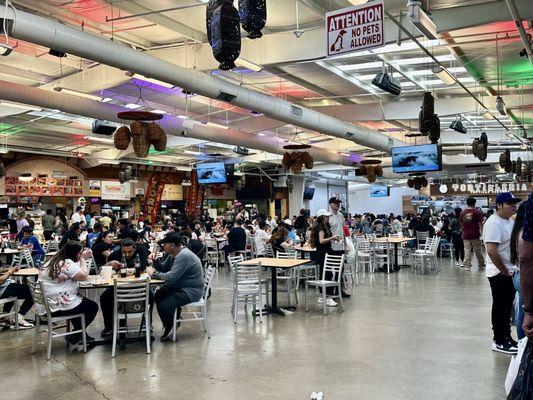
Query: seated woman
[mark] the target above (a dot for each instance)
(280, 240)
(8, 288)
(61, 286)
(72, 234)
(102, 248)
(33, 244)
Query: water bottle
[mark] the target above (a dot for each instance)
(123, 268)
(137, 266)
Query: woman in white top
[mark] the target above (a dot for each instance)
(61, 286)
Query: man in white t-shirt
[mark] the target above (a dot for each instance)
(262, 235)
(500, 270)
(336, 222)
(77, 216)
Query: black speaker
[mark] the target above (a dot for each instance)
(103, 128)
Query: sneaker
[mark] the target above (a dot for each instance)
(23, 324)
(467, 268)
(506, 348)
(330, 302)
(461, 264)
(167, 334)
(457, 264)
(513, 342)
(320, 300)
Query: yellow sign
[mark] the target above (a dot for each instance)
(172, 192)
(94, 188)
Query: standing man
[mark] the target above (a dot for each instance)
(497, 236)
(336, 222)
(472, 226)
(48, 222)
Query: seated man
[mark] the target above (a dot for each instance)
(22, 292)
(236, 238)
(129, 251)
(262, 235)
(32, 242)
(184, 283)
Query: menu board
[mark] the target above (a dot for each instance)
(43, 187)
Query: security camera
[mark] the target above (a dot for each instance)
(523, 53)
(298, 34)
(183, 133)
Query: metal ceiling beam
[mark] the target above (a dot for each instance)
(162, 20)
(526, 41)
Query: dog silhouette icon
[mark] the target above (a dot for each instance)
(337, 44)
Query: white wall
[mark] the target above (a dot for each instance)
(360, 201)
(323, 192)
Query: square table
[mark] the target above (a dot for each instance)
(273, 264)
(395, 241)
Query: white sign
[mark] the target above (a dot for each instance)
(355, 28)
(114, 190)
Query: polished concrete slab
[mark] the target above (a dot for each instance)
(403, 336)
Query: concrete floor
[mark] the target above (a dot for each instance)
(403, 336)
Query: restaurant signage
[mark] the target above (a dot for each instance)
(114, 190)
(466, 189)
(355, 28)
(94, 188)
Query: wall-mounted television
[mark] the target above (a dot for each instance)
(421, 158)
(379, 191)
(211, 173)
(309, 193)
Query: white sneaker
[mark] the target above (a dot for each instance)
(462, 264)
(457, 264)
(330, 302)
(23, 324)
(320, 300)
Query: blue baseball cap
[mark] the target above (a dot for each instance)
(507, 197)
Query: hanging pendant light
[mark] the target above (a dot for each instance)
(253, 16)
(223, 32)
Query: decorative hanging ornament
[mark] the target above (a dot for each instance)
(2, 169)
(253, 15)
(223, 32)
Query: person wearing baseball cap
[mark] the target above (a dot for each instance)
(322, 239)
(184, 283)
(500, 270)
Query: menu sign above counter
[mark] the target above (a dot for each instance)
(14, 186)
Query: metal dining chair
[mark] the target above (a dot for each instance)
(131, 300)
(43, 317)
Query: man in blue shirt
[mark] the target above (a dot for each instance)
(28, 239)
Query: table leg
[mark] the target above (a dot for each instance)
(396, 267)
(274, 309)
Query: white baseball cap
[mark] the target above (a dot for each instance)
(287, 222)
(323, 212)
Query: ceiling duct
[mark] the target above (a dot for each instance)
(172, 125)
(53, 34)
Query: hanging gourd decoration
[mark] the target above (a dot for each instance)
(286, 161)
(127, 174)
(518, 167)
(121, 177)
(157, 137)
(122, 138)
(308, 160)
(223, 32)
(370, 173)
(253, 15)
(296, 163)
(2, 169)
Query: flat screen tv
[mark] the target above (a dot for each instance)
(379, 191)
(421, 158)
(309, 193)
(211, 173)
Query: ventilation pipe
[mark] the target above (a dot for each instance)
(523, 35)
(173, 126)
(55, 35)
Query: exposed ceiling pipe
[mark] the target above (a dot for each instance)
(518, 22)
(430, 55)
(52, 34)
(173, 126)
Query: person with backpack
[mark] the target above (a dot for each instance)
(457, 234)
(472, 225)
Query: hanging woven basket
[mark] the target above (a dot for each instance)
(137, 128)
(308, 160)
(286, 161)
(122, 138)
(141, 145)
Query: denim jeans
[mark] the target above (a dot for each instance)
(519, 310)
